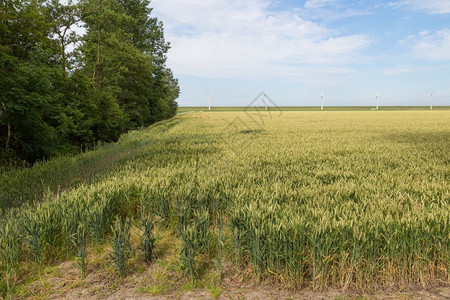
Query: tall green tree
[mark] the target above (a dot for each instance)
(125, 51)
(62, 19)
(148, 36)
(60, 92)
(75, 100)
(26, 92)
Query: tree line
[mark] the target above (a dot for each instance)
(63, 92)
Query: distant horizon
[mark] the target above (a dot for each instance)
(314, 106)
(206, 106)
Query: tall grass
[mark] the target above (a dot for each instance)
(9, 250)
(120, 244)
(81, 241)
(148, 239)
(188, 251)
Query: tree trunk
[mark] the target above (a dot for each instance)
(63, 58)
(62, 38)
(8, 137)
(98, 67)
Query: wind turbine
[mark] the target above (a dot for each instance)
(431, 100)
(376, 97)
(209, 102)
(321, 101)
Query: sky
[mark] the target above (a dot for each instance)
(294, 50)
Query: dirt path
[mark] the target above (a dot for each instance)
(64, 283)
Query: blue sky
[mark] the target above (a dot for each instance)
(295, 49)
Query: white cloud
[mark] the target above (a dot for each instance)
(410, 69)
(429, 6)
(245, 39)
(433, 46)
(318, 3)
(398, 70)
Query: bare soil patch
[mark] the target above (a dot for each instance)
(156, 283)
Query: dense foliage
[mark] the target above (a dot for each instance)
(61, 92)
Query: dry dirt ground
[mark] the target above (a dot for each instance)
(162, 279)
(153, 282)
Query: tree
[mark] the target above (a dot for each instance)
(125, 51)
(62, 18)
(61, 92)
(147, 35)
(25, 86)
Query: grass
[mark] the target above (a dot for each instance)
(342, 199)
(160, 284)
(215, 291)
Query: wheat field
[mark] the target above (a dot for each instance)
(321, 199)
